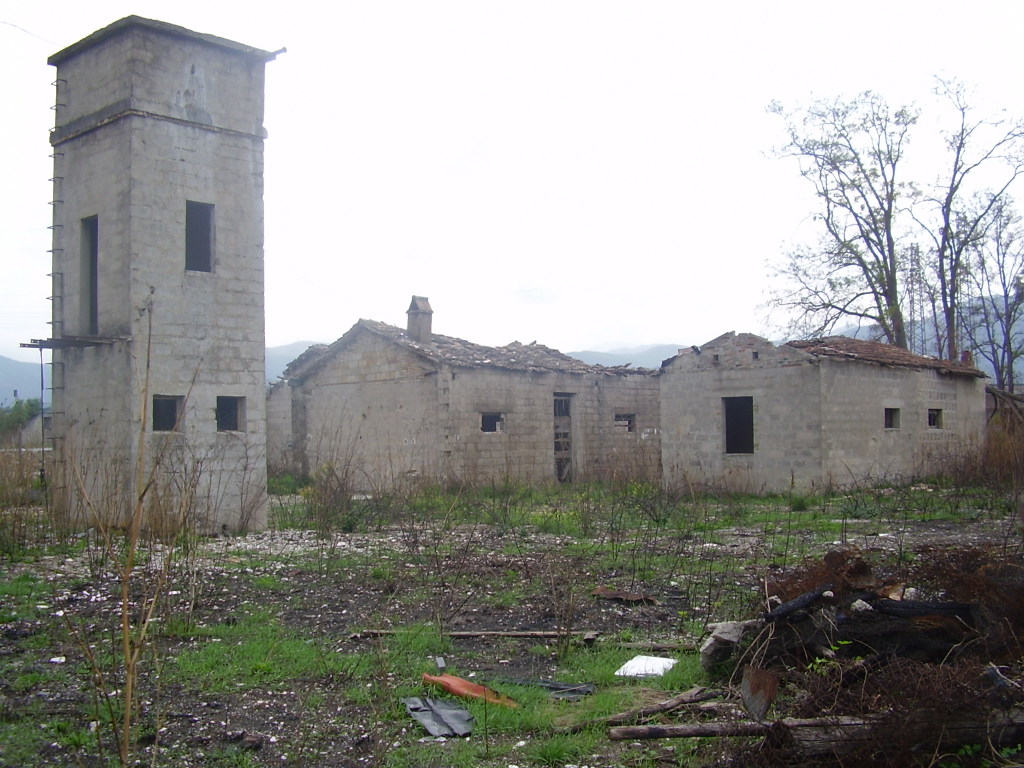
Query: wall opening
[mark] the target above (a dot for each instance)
(90, 269)
(739, 424)
(563, 436)
(892, 418)
(198, 236)
(230, 414)
(625, 422)
(492, 422)
(167, 412)
(935, 418)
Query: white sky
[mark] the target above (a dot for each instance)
(584, 173)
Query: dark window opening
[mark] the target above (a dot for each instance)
(563, 470)
(935, 418)
(491, 422)
(230, 414)
(562, 403)
(739, 424)
(167, 412)
(198, 236)
(892, 418)
(91, 276)
(755, 354)
(625, 422)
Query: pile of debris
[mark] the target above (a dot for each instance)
(860, 668)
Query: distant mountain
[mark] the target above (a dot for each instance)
(17, 375)
(279, 357)
(651, 356)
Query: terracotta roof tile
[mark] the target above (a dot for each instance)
(877, 352)
(448, 350)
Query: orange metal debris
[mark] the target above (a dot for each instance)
(468, 690)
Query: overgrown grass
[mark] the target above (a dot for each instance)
(503, 545)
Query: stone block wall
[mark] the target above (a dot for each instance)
(150, 116)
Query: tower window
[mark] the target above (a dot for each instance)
(230, 414)
(935, 418)
(198, 236)
(739, 424)
(167, 412)
(90, 276)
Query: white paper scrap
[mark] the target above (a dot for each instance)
(645, 666)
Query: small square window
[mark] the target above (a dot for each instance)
(892, 418)
(167, 412)
(935, 418)
(230, 414)
(625, 422)
(492, 422)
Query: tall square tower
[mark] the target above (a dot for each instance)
(158, 327)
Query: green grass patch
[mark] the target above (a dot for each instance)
(257, 651)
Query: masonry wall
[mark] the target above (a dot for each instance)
(787, 428)
(523, 450)
(281, 458)
(371, 412)
(396, 418)
(857, 444)
(818, 421)
(148, 117)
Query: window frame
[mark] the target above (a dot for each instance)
(625, 422)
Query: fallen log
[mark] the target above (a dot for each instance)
(820, 735)
(588, 636)
(734, 728)
(693, 696)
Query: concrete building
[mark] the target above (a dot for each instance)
(743, 414)
(158, 340)
(393, 406)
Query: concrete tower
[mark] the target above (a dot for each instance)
(158, 330)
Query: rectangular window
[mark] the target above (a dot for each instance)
(739, 424)
(935, 418)
(167, 412)
(230, 414)
(492, 422)
(198, 236)
(90, 276)
(625, 422)
(892, 418)
(562, 401)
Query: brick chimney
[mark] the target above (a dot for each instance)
(419, 320)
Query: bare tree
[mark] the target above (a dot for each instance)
(993, 320)
(852, 152)
(891, 247)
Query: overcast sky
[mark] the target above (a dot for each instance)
(586, 174)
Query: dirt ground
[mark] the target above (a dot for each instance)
(359, 582)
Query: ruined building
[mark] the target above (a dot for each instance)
(742, 414)
(387, 407)
(158, 341)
